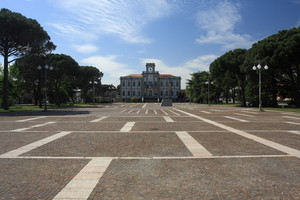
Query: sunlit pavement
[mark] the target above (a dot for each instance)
(145, 151)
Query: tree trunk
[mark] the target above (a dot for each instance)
(5, 81)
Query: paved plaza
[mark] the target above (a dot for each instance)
(145, 151)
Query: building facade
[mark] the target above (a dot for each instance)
(150, 85)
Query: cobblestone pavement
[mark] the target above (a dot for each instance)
(145, 151)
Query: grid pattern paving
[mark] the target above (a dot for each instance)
(145, 151)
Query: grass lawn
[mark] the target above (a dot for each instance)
(23, 108)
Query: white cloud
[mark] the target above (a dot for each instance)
(86, 49)
(185, 70)
(122, 18)
(219, 22)
(110, 67)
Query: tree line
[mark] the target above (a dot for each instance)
(231, 76)
(25, 45)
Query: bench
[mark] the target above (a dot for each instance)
(70, 103)
(282, 103)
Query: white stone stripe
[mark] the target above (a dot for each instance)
(30, 119)
(216, 110)
(34, 126)
(127, 127)
(147, 111)
(250, 112)
(193, 146)
(138, 112)
(99, 119)
(263, 141)
(293, 123)
(174, 113)
(237, 119)
(164, 112)
(206, 112)
(245, 115)
(29, 147)
(155, 111)
(130, 111)
(123, 110)
(290, 117)
(295, 132)
(168, 119)
(144, 105)
(82, 185)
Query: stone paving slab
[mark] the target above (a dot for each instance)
(285, 138)
(193, 179)
(82, 126)
(8, 126)
(262, 126)
(144, 144)
(36, 178)
(13, 140)
(133, 119)
(171, 126)
(227, 143)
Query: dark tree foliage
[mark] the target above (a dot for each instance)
(87, 74)
(19, 36)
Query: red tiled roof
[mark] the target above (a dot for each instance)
(166, 75)
(134, 75)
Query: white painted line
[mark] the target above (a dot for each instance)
(290, 117)
(168, 119)
(99, 119)
(295, 132)
(244, 115)
(138, 112)
(216, 110)
(205, 112)
(130, 111)
(123, 110)
(164, 112)
(30, 119)
(292, 123)
(241, 120)
(133, 105)
(250, 112)
(34, 126)
(263, 141)
(174, 113)
(82, 185)
(155, 111)
(144, 105)
(146, 111)
(193, 146)
(127, 127)
(29, 147)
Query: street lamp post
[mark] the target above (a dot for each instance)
(259, 68)
(208, 90)
(46, 67)
(94, 82)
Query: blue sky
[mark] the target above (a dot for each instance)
(181, 36)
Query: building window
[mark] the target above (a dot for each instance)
(171, 93)
(161, 83)
(128, 83)
(139, 84)
(167, 93)
(161, 93)
(133, 83)
(133, 93)
(123, 83)
(171, 83)
(177, 84)
(128, 93)
(145, 84)
(123, 93)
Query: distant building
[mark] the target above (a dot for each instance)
(150, 85)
